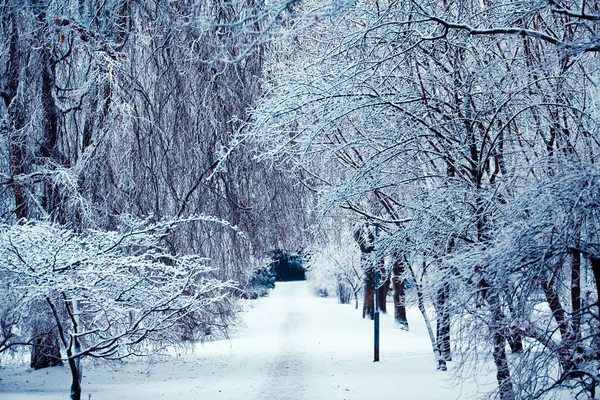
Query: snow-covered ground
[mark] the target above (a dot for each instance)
(294, 346)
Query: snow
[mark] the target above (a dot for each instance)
(294, 346)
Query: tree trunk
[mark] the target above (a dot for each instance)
(515, 336)
(443, 322)
(576, 291)
(498, 328)
(16, 112)
(17, 167)
(574, 347)
(399, 296)
(441, 363)
(369, 296)
(365, 242)
(343, 293)
(51, 199)
(595, 265)
(515, 341)
(384, 288)
(75, 380)
(570, 352)
(502, 370)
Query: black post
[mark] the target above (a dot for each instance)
(376, 316)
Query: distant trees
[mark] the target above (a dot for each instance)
(334, 268)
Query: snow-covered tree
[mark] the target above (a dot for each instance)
(110, 294)
(334, 268)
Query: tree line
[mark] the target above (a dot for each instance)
(467, 131)
(123, 229)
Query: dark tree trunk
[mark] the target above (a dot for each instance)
(570, 353)
(17, 167)
(16, 112)
(366, 243)
(75, 380)
(51, 201)
(383, 289)
(515, 341)
(502, 370)
(48, 148)
(595, 263)
(344, 294)
(46, 351)
(505, 387)
(443, 321)
(399, 296)
(369, 294)
(515, 336)
(421, 302)
(74, 362)
(574, 349)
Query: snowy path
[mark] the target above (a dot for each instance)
(298, 367)
(295, 347)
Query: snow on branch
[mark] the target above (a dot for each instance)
(108, 292)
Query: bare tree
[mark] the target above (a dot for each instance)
(110, 294)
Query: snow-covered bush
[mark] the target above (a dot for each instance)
(335, 269)
(261, 281)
